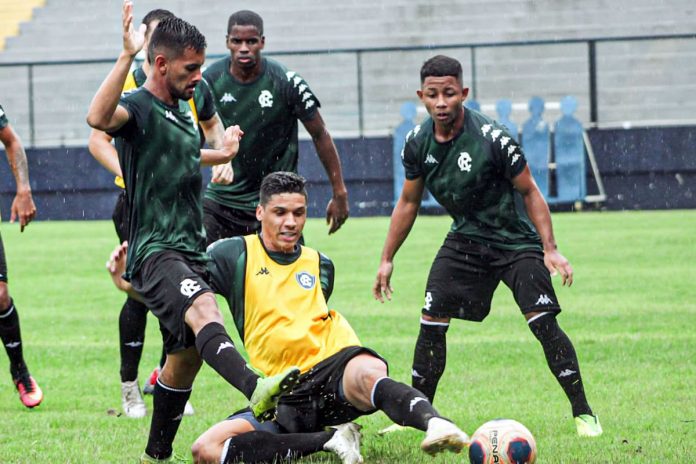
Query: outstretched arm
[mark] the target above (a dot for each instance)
(23, 205)
(402, 220)
(337, 210)
(538, 212)
(104, 112)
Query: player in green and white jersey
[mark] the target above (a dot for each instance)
(501, 231)
(265, 99)
(160, 158)
(22, 208)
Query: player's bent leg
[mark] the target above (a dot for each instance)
(430, 354)
(268, 391)
(172, 391)
(208, 448)
(563, 363)
(215, 345)
(30, 394)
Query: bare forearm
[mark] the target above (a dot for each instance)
(538, 212)
(210, 157)
(328, 155)
(103, 105)
(402, 220)
(103, 151)
(17, 158)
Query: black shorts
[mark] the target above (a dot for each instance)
(221, 221)
(465, 274)
(317, 400)
(3, 263)
(121, 217)
(168, 283)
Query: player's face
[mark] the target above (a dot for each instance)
(282, 220)
(443, 97)
(245, 43)
(184, 73)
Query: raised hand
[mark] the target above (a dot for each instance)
(133, 39)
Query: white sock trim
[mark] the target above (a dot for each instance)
(9, 311)
(441, 324)
(372, 393)
(179, 390)
(538, 316)
(225, 448)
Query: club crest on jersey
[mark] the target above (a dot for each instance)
(266, 99)
(464, 162)
(306, 280)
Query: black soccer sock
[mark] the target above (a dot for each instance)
(429, 357)
(562, 360)
(259, 446)
(218, 351)
(167, 411)
(403, 404)
(131, 333)
(12, 339)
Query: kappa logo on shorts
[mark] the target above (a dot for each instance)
(189, 287)
(306, 280)
(544, 300)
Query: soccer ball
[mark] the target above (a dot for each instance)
(502, 441)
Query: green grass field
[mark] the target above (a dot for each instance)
(631, 314)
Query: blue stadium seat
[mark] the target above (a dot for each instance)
(536, 144)
(504, 108)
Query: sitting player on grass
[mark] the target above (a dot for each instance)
(277, 291)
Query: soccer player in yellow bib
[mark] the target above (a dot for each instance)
(277, 291)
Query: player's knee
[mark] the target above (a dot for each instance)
(203, 311)
(427, 318)
(203, 452)
(181, 368)
(5, 300)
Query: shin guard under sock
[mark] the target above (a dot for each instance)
(259, 446)
(403, 404)
(562, 360)
(11, 337)
(167, 411)
(429, 357)
(218, 351)
(131, 331)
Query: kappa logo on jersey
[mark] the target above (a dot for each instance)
(263, 271)
(189, 287)
(544, 300)
(169, 115)
(504, 141)
(514, 159)
(297, 80)
(227, 98)
(2, 113)
(309, 104)
(266, 99)
(302, 88)
(430, 159)
(464, 162)
(511, 149)
(290, 74)
(305, 279)
(428, 301)
(13, 344)
(306, 96)
(485, 128)
(495, 134)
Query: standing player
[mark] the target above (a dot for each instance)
(133, 316)
(476, 170)
(277, 291)
(160, 159)
(265, 99)
(23, 208)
